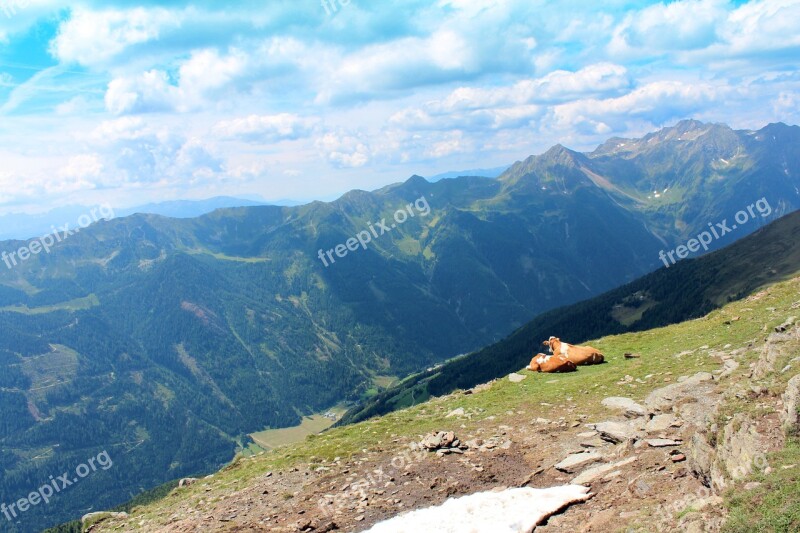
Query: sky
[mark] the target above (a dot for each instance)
(130, 102)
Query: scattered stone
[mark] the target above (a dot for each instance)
(752, 485)
(185, 482)
(438, 440)
(665, 398)
(629, 408)
(632, 356)
(711, 501)
(594, 442)
(791, 404)
(660, 423)
(456, 412)
(576, 461)
(786, 325)
(96, 518)
(662, 443)
(616, 432)
(516, 378)
(596, 472)
(677, 458)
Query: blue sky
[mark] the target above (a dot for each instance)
(133, 102)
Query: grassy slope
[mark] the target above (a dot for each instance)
(578, 392)
(692, 288)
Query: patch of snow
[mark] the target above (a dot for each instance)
(508, 511)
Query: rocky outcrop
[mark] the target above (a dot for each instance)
(575, 462)
(662, 400)
(90, 519)
(443, 442)
(592, 474)
(774, 348)
(628, 407)
(791, 403)
(619, 432)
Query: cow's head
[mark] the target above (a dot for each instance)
(555, 344)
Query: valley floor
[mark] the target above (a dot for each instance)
(706, 404)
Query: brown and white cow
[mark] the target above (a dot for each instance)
(551, 363)
(580, 355)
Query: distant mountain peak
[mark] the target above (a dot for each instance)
(689, 124)
(559, 154)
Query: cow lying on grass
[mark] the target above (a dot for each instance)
(580, 355)
(551, 363)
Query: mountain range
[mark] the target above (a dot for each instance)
(24, 226)
(167, 341)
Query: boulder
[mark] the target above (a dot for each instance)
(664, 398)
(577, 461)
(95, 518)
(628, 407)
(516, 378)
(791, 403)
(662, 443)
(593, 474)
(617, 432)
(786, 325)
(660, 423)
(439, 440)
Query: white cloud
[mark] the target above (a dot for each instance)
(266, 128)
(699, 31)
(344, 150)
(82, 166)
(684, 24)
(398, 66)
(656, 102)
(74, 106)
(516, 105)
(136, 152)
(760, 26)
(208, 78)
(91, 37)
(147, 92)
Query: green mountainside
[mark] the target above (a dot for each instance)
(166, 342)
(691, 289)
(721, 380)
